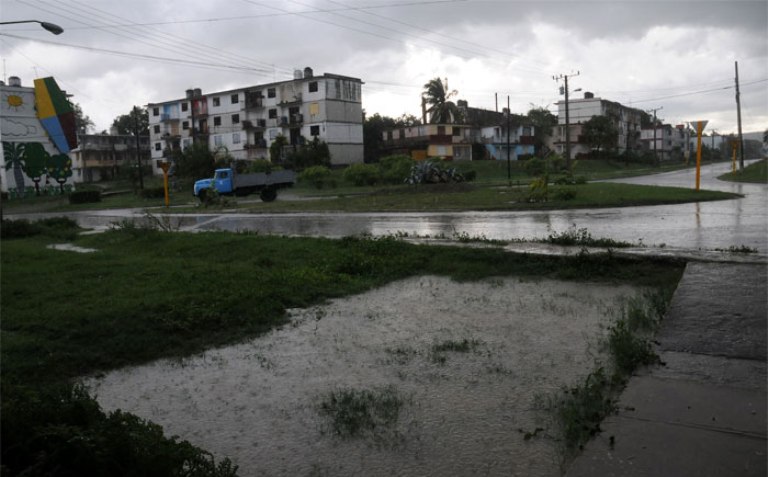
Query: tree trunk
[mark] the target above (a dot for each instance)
(18, 177)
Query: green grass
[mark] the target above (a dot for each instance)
(362, 412)
(756, 172)
(146, 295)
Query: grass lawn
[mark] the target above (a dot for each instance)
(145, 295)
(756, 172)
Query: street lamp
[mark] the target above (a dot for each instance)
(51, 27)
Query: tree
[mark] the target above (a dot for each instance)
(276, 149)
(196, 162)
(60, 168)
(601, 133)
(542, 121)
(36, 163)
(82, 122)
(126, 123)
(13, 153)
(437, 96)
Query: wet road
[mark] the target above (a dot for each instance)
(693, 226)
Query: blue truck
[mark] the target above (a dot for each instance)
(228, 182)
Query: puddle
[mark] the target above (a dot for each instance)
(257, 402)
(68, 247)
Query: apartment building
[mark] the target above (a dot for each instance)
(667, 142)
(102, 156)
(627, 120)
(248, 120)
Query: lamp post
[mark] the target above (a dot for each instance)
(51, 27)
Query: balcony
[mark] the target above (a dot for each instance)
(291, 100)
(259, 124)
(164, 118)
(253, 100)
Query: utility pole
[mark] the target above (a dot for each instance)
(713, 144)
(655, 153)
(136, 114)
(738, 113)
(567, 119)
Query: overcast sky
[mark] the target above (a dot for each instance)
(677, 54)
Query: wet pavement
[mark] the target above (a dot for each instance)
(703, 413)
(682, 228)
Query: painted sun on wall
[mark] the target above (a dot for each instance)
(27, 158)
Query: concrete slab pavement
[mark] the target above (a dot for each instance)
(704, 412)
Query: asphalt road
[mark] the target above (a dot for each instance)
(688, 227)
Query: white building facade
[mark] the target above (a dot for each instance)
(626, 119)
(248, 120)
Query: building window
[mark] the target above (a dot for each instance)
(184, 106)
(235, 98)
(155, 111)
(217, 101)
(217, 140)
(313, 87)
(235, 118)
(217, 120)
(185, 125)
(272, 113)
(185, 143)
(271, 93)
(158, 146)
(157, 129)
(314, 130)
(236, 138)
(456, 131)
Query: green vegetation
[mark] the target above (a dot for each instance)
(582, 237)
(579, 409)
(756, 172)
(361, 412)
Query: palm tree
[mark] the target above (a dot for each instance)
(437, 96)
(13, 153)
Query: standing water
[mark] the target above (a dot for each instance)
(466, 362)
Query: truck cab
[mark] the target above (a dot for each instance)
(222, 182)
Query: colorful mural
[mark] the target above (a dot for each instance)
(38, 129)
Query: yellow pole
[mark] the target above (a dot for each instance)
(164, 166)
(734, 146)
(699, 127)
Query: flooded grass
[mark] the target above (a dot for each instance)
(358, 412)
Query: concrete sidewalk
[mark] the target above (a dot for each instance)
(704, 412)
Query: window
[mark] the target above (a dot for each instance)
(217, 120)
(313, 87)
(185, 125)
(235, 118)
(314, 130)
(185, 143)
(236, 138)
(271, 93)
(272, 113)
(217, 101)
(184, 106)
(456, 131)
(158, 146)
(217, 140)
(155, 111)
(157, 129)
(235, 98)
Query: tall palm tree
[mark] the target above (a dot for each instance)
(13, 153)
(437, 96)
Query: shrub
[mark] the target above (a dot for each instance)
(62, 430)
(318, 176)
(534, 167)
(362, 174)
(260, 165)
(433, 172)
(469, 176)
(395, 169)
(58, 227)
(564, 194)
(85, 196)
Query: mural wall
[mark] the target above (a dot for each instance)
(37, 128)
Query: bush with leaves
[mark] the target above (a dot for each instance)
(395, 169)
(318, 176)
(313, 153)
(261, 165)
(534, 166)
(61, 430)
(362, 174)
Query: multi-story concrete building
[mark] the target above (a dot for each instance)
(101, 156)
(247, 120)
(446, 141)
(667, 142)
(627, 122)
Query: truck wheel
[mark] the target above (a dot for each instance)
(268, 195)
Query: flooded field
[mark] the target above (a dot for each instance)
(459, 365)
